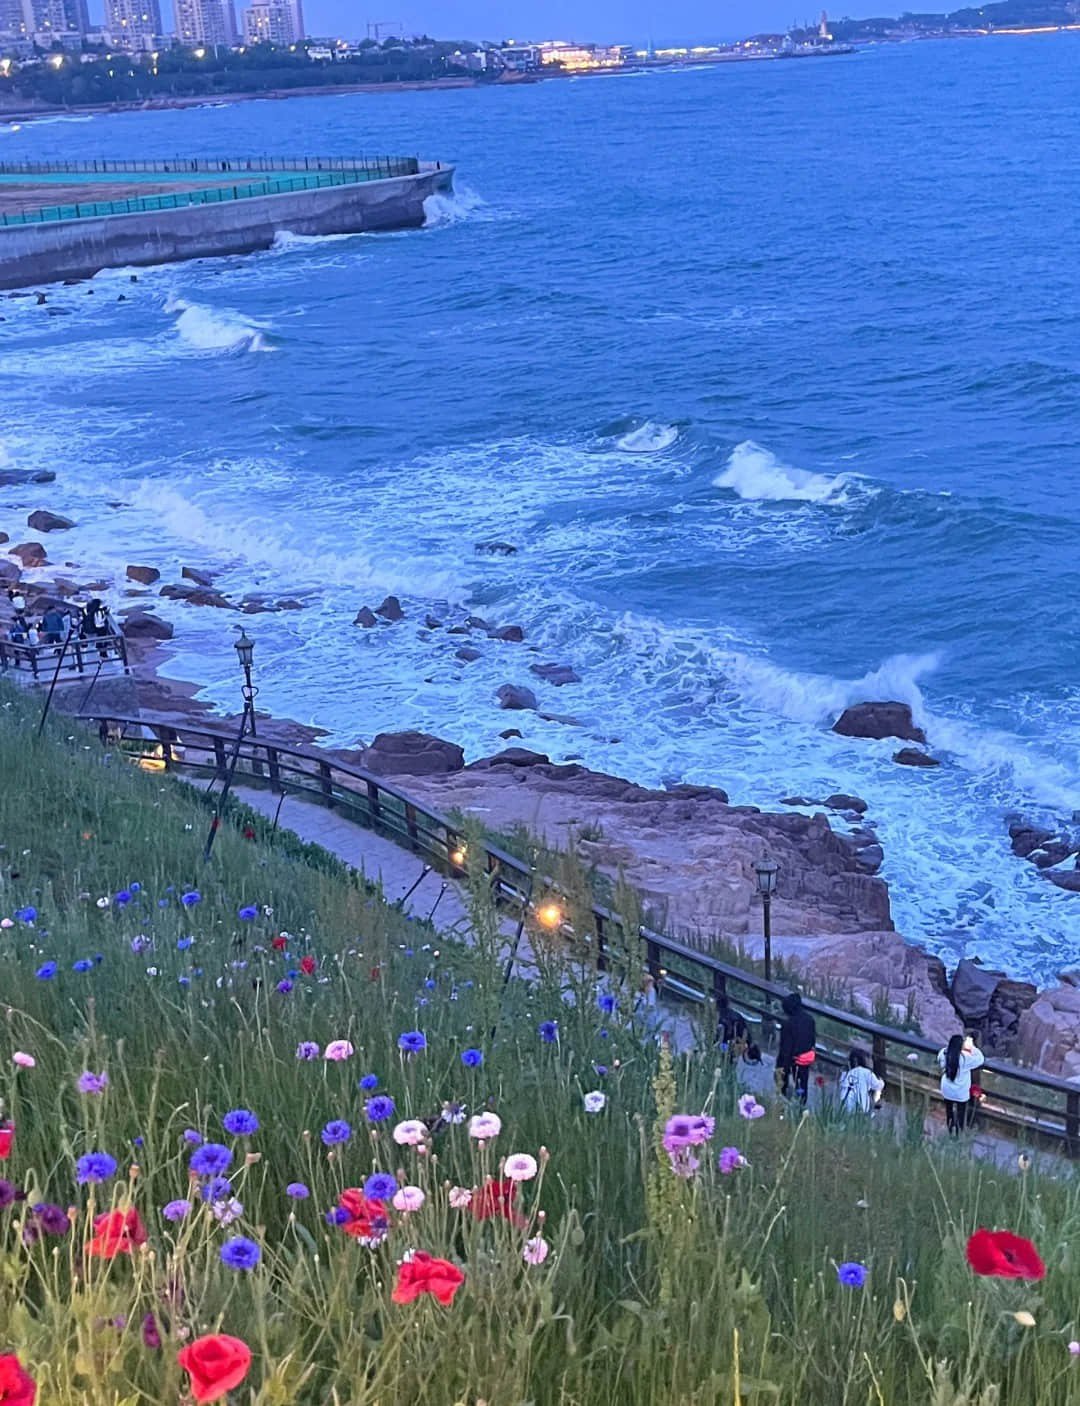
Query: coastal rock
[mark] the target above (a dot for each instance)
(4, 537)
(477, 622)
(972, 988)
(467, 654)
(1068, 879)
(141, 624)
(412, 754)
(513, 634)
(512, 695)
(145, 575)
(798, 801)
(911, 756)
(289, 604)
(509, 732)
(390, 609)
(10, 477)
(557, 674)
(30, 554)
(365, 617)
(500, 549)
(1027, 838)
(200, 578)
(43, 521)
(1048, 1033)
(430, 623)
(843, 802)
(513, 756)
(9, 573)
(1052, 852)
(870, 858)
(877, 720)
(196, 595)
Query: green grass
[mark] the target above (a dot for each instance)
(656, 1290)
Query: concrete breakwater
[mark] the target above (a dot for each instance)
(79, 245)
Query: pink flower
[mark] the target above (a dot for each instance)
(730, 1160)
(683, 1163)
(338, 1050)
(687, 1130)
(485, 1126)
(519, 1166)
(24, 1060)
(408, 1198)
(410, 1133)
(1074, 1349)
(6, 923)
(536, 1250)
(750, 1108)
(460, 1198)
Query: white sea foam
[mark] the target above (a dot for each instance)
(649, 438)
(757, 474)
(462, 204)
(209, 330)
(285, 241)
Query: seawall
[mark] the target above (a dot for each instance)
(79, 248)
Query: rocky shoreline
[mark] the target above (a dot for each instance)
(688, 851)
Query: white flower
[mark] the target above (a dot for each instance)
(103, 903)
(519, 1166)
(227, 1211)
(485, 1126)
(460, 1197)
(408, 1198)
(594, 1102)
(410, 1132)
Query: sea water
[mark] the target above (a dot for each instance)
(769, 372)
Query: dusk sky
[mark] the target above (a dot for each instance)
(604, 20)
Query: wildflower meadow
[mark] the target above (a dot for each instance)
(265, 1140)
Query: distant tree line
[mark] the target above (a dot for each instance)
(1005, 14)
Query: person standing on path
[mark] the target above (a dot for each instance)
(957, 1060)
(860, 1088)
(798, 1037)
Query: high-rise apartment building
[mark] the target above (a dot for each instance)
(43, 17)
(12, 19)
(205, 22)
(134, 24)
(271, 22)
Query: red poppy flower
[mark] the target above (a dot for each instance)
(308, 965)
(279, 944)
(7, 1137)
(116, 1233)
(496, 1198)
(374, 973)
(423, 1274)
(1004, 1255)
(977, 1093)
(367, 1221)
(17, 1388)
(215, 1365)
(249, 833)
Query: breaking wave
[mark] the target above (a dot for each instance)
(756, 474)
(461, 204)
(649, 438)
(207, 330)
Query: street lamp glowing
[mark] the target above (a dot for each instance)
(457, 856)
(199, 53)
(550, 915)
(57, 60)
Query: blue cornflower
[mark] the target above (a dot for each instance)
(548, 1030)
(163, 903)
(380, 1186)
(337, 1216)
(284, 987)
(379, 1108)
(369, 1081)
(412, 1042)
(240, 1253)
(140, 943)
(176, 1210)
(603, 1034)
(137, 1141)
(852, 1274)
(248, 912)
(98, 959)
(337, 1130)
(183, 943)
(605, 1002)
(297, 1190)
(210, 1160)
(472, 1058)
(241, 1122)
(191, 898)
(190, 1135)
(123, 898)
(217, 1189)
(84, 964)
(429, 984)
(27, 914)
(135, 888)
(94, 1166)
(184, 980)
(46, 971)
(601, 1069)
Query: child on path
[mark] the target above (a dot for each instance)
(860, 1087)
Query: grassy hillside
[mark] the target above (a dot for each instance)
(608, 1274)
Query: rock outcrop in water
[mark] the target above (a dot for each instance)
(877, 720)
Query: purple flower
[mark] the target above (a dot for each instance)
(284, 986)
(94, 1167)
(140, 943)
(730, 1160)
(605, 1002)
(297, 1190)
(46, 971)
(379, 1108)
(369, 1081)
(241, 1122)
(150, 1335)
(852, 1274)
(687, 1130)
(183, 943)
(749, 1107)
(412, 1042)
(240, 1253)
(84, 964)
(217, 1189)
(27, 914)
(380, 1186)
(307, 1049)
(191, 1136)
(210, 1160)
(337, 1130)
(471, 1059)
(338, 1215)
(90, 1083)
(191, 898)
(52, 1219)
(123, 898)
(7, 1193)
(176, 1210)
(248, 912)
(548, 1030)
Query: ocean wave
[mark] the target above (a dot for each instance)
(208, 330)
(285, 241)
(756, 474)
(649, 438)
(461, 204)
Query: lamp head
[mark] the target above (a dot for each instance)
(245, 650)
(766, 871)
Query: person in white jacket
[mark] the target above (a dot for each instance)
(957, 1060)
(860, 1087)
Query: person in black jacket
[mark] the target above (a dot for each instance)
(798, 1036)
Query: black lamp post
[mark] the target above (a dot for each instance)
(245, 652)
(766, 871)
